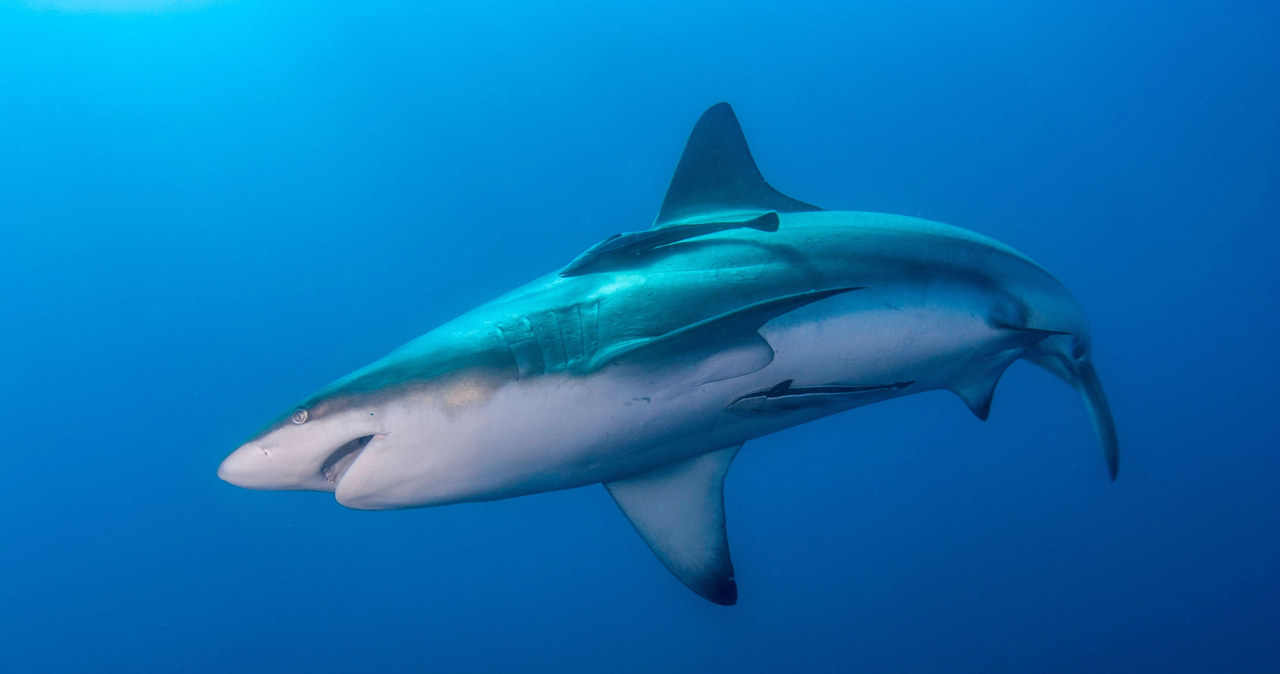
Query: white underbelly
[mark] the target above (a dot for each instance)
(560, 431)
(871, 346)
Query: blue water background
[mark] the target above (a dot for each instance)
(207, 211)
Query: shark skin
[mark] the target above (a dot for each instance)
(646, 366)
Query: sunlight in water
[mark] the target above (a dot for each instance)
(120, 6)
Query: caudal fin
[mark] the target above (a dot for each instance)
(1081, 375)
(1096, 401)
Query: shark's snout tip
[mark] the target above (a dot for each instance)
(239, 466)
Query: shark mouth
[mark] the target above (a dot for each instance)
(341, 459)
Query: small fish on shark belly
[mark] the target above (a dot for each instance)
(647, 361)
(785, 397)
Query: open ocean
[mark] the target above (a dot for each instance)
(208, 210)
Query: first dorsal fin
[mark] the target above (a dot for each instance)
(679, 511)
(717, 178)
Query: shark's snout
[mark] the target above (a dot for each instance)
(309, 449)
(246, 467)
(256, 465)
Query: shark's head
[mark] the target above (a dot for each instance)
(308, 447)
(371, 433)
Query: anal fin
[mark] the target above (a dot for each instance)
(977, 392)
(679, 511)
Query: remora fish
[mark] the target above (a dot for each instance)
(645, 367)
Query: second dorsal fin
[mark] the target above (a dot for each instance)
(717, 178)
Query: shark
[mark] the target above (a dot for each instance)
(648, 361)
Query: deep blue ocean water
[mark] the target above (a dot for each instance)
(209, 210)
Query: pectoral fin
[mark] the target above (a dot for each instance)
(679, 511)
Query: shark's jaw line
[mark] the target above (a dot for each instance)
(341, 459)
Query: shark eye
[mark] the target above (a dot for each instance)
(299, 416)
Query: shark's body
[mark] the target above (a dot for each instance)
(647, 362)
